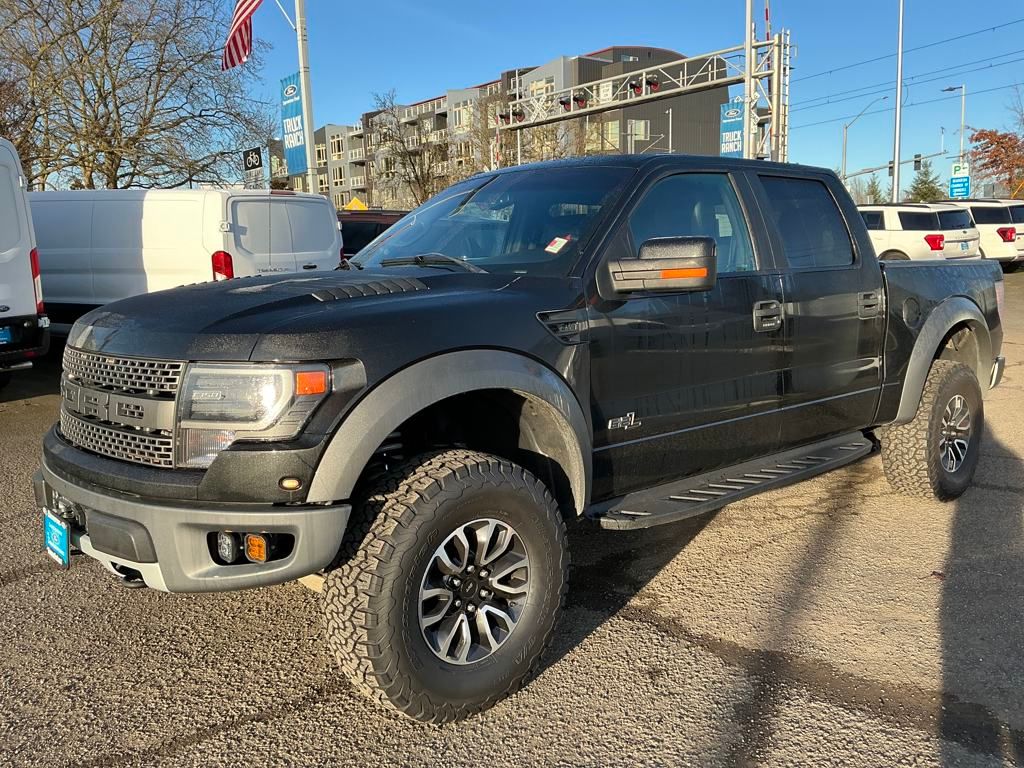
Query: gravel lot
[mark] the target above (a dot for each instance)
(829, 623)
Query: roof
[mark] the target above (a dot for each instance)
(652, 159)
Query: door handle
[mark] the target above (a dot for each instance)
(309, 266)
(767, 315)
(868, 305)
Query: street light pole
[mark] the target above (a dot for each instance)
(963, 111)
(669, 113)
(312, 172)
(899, 111)
(842, 172)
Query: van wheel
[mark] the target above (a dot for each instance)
(453, 573)
(936, 453)
(894, 256)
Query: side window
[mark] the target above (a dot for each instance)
(873, 219)
(696, 205)
(812, 229)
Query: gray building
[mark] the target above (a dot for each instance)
(395, 158)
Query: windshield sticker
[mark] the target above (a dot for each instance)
(558, 244)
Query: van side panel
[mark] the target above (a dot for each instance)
(16, 240)
(64, 235)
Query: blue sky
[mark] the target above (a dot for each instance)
(422, 48)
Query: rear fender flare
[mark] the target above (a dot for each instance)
(942, 319)
(422, 384)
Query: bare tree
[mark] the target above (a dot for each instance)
(410, 161)
(128, 93)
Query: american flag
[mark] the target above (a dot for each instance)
(239, 42)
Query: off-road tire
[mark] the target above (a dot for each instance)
(911, 452)
(371, 598)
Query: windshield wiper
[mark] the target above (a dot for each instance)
(432, 260)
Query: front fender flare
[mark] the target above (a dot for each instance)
(952, 312)
(422, 384)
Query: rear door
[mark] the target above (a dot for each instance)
(17, 297)
(315, 240)
(262, 235)
(833, 311)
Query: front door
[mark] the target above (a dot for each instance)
(684, 382)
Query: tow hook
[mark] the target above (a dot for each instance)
(128, 577)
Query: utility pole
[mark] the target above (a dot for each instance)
(842, 171)
(302, 35)
(899, 111)
(963, 111)
(749, 118)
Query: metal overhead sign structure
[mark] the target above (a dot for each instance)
(762, 67)
(960, 181)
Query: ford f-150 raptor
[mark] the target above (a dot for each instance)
(636, 340)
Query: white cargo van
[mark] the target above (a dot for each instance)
(97, 246)
(24, 328)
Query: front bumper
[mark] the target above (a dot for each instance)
(167, 542)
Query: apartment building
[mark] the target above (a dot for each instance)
(399, 155)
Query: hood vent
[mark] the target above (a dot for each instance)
(358, 289)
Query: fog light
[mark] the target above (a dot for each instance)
(255, 548)
(227, 546)
(289, 483)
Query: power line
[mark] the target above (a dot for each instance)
(911, 104)
(908, 50)
(919, 82)
(950, 71)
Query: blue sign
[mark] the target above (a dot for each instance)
(292, 131)
(731, 144)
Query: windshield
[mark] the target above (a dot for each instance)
(523, 222)
(955, 219)
(991, 214)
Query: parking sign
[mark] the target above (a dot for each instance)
(960, 180)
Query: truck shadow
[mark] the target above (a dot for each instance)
(980, 616)
(42, 379)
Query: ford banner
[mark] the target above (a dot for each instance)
(292, 133)
(732, 128)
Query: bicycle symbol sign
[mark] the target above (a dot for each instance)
(252, 159)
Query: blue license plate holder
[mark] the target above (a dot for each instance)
(5, 334)
(963, 246)
(57, 536)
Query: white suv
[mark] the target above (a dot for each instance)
(1001, 224)
(921, 231)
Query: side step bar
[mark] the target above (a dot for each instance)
(704, 493)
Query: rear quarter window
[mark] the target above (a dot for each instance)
(1017, 214)
(873, 219)
(919, 221)
(994, 214)
(812, 229)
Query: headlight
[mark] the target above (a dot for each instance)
(221, 403)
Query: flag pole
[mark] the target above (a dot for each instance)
(307, 95)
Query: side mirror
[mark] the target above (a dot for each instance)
(667, 264)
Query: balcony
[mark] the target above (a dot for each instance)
(357, 182)
(356, 155)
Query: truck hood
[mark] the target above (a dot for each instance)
(227, 320)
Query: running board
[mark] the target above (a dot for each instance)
(700, 494)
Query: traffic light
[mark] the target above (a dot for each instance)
(890, 169)
(917, 162)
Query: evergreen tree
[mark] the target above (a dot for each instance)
(874, 192)
(926, 187)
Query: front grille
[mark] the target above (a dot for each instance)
(123, 373)
(124, 444)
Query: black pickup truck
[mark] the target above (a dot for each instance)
(636, 340)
